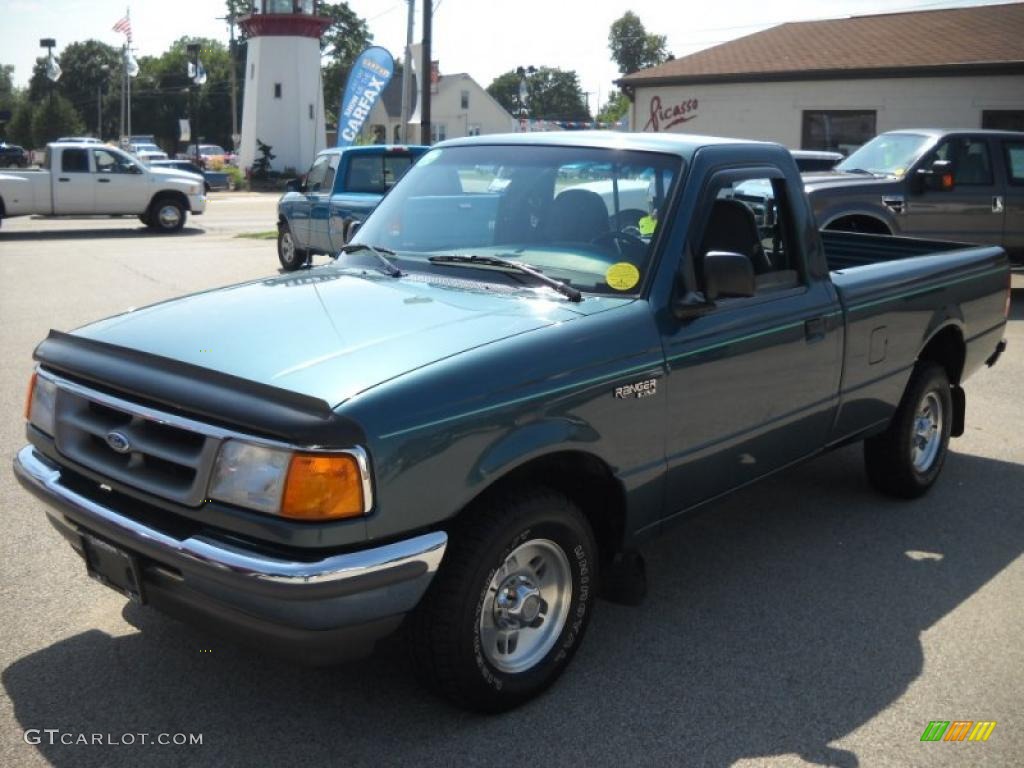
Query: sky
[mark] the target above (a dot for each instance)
(482, 37)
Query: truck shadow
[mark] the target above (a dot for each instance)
(94, 234)
(778, 622)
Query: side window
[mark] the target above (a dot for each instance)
(317, 174)
(1015, 162)
(332, 169)
(74, 161)
(111, 162)
(972, 165)
(751, 215)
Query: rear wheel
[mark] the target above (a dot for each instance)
(290, 256)
(906, 459)
(510, 604)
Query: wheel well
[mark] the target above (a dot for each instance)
(585, 479)
(947, 348)
(859, 223)
(178, 197)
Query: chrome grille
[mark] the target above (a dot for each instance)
(156, 457)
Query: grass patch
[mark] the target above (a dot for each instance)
(270, 234)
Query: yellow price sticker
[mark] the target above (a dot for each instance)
(622, 276)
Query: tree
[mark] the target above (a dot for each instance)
(163, 93)
(54, 117)
(632, 47)
(614, 109)
(10, 100)
(551, 94)
(19, 129)
(92, 68)
(340, 46)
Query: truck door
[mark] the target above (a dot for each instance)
(1013, 202)
(121, 186)
(753, 383)
(971, 212)
(73, 185)
(320, 207)
(304, 227)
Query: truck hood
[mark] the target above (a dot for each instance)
(173, 174)
(332, 333)
(827, 180)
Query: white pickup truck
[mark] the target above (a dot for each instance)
(83, 179)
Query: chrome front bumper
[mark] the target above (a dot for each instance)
(286, 602)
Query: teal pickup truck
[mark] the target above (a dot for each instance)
(316, 213)
(469, 422)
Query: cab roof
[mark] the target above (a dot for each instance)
(682, 144)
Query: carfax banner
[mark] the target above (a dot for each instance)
(367, 80)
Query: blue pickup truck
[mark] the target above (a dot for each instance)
(471, 420)
(343, 185)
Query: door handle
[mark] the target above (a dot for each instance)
(997, 204)
(63, 178)
(103, 181)
(814, 329)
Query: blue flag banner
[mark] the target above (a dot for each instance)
(367, 80)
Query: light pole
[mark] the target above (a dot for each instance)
(101, 84)
(193, 52)
(53, 75)
(522, 94)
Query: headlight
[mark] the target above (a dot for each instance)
(42, 399)
(302, 486)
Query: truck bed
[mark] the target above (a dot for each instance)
(895, 293)
(844, 250)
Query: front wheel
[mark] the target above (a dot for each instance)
(510, 604)
(167, 215)
(906, 459)
(290, 256)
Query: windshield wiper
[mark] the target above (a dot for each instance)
(855, 170)
(387, 267)
(517, 266)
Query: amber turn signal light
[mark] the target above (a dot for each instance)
(28, 396)
(322, 487)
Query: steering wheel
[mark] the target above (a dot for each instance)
(618, 238)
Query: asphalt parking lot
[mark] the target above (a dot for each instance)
(806, 621)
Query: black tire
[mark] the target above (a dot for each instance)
(206, 187)
(167, 215)
(445, 634)
(291, 258)
(904, 461)
(144, 218)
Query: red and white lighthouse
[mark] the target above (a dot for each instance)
(284, 95)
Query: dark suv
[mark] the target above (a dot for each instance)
(13, 155)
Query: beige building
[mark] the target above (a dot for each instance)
(458, 107)
(834, 84)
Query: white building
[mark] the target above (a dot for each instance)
(458, 107)
(284, 97)
(834, 84)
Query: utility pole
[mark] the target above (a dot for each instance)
(233, 55)
(407, 73)
(425, 84)
(193, 53)
(124, 79)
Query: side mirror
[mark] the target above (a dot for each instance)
(936, 178)
(352, 229)
(293, 185)
(728, 274)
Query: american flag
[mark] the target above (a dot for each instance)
(124, 25)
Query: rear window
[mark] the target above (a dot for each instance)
(376, 173)
(74, 161)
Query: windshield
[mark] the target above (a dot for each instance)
(584, 216)
(890, 154)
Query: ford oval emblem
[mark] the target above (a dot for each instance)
(118, 442)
